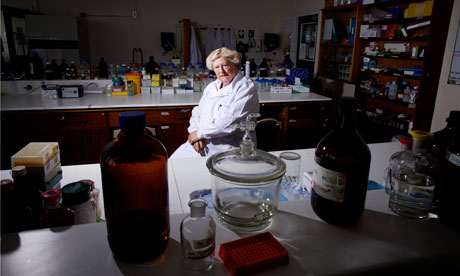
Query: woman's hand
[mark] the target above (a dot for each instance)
(195, 142)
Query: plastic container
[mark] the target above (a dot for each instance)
(245, 184)
(85, 69)
(135, 186)
(393, 91)
(56, 215)
(253, 254)
(136, 79)
(77, 196)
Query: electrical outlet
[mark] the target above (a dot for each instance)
(134, 14)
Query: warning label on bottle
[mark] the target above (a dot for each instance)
(329, 184)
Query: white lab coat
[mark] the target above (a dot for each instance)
(215, 117)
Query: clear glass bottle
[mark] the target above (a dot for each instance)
(406, 145)
(135, 187)
(412, 179)
(198, 237)
(341, 170)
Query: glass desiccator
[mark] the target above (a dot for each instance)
(198, 237)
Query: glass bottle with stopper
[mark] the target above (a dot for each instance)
(198, 237)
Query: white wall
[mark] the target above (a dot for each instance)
(448, 96)
(113, 33)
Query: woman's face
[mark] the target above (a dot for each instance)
(225, 70)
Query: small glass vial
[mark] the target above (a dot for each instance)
(56, 215)
(198, 237)
(77, 196)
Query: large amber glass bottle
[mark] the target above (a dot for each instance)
(341, 170)
(135, 188)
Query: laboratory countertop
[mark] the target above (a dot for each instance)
(380, 243)
(35, 102)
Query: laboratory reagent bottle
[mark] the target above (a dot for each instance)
(341, 170)
(198, 237)
(135, 189)
(413, 178)
(448, 206)
(54, 214)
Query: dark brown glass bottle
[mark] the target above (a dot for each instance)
(341, 170)
(135, 187)
(448, 206)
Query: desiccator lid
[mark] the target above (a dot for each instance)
(254, 169)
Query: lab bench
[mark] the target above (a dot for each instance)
(378, 244)
(83, 126)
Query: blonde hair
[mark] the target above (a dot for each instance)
(233, 56)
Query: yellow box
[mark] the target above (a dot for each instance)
(120, 93)
(411, 10)
(156, 77)
(35, 154)
(156, 83)
(428, 9)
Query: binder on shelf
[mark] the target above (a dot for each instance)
(352, 30)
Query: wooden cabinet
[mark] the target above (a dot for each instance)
(81, 135)
(170, 124)
(402, 42)
(339, 43)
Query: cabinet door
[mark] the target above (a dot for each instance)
(82, 137)
(172, 136)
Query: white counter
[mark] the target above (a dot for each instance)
(24, 102)
(380, 243)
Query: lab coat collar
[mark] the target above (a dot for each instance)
(226, 90)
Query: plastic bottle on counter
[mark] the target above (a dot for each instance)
(198, 237)
(413, 178)
(85, 69)
(55, 215)
(9, 216)
(72, 72)
(135, 186)
(77, 196)
(28, 197)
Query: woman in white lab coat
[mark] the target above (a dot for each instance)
(225, 103)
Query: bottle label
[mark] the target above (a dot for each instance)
(198, 244)
(453, 158)
(197, 255)
(328, 183)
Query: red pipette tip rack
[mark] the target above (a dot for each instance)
(253, 254)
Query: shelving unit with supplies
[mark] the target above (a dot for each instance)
(401, 41)
(339, 43)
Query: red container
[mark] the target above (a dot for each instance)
(253, 254)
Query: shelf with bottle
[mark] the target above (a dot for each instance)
(389, 72)
(389, 55)
(341, 7)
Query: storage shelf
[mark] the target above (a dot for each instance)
(337, 44)
(342, 7)
(337, 61)
(394, 57)
(390, 74)
(397, 20)
(394, 102)
(424, 38)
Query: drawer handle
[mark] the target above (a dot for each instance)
(164, 113)
(164, 127)
(62, 118)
